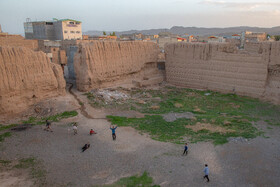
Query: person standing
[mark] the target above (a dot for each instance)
(75, 128)
(206, 172)
(186, 149)
(114, 131)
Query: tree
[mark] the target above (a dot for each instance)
(104, 33)
(113, 34)
(268, 36)
(277, 37)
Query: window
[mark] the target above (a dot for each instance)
(49, 23)
(72, 31)
(71, 23)
(65, 31)
(77, 31)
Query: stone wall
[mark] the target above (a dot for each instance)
(27, 77)
(102, 64)
(224, 68)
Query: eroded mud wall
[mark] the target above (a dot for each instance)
(27, 77)
(102, 64)
(17, 41)
(222, 67)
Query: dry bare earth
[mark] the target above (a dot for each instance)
(252, 163)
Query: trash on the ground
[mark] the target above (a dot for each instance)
(237, 139)
(173, 116)
(111, 94)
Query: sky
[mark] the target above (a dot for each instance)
(122, 15)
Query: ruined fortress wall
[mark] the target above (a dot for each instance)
(273, 82)
(101, 64)
(222, 67)
(27, 77)
(17, 41)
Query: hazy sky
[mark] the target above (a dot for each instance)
(119, 15)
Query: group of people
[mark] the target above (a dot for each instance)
(91, 132)
(113, 129)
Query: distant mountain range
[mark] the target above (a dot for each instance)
(198, 31)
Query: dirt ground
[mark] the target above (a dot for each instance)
(250, 163)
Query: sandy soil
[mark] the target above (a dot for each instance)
(251, 163)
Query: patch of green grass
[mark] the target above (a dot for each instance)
(229, 111)
(271, 122)
(5, 127)
(54, 118)
(60, 116)
(5, 162)
(5, 135)
(30, 120)
(25, 163)
(145, 180)
(36, 170)
(164, 131)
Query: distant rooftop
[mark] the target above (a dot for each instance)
(67, 20)
(54, 20)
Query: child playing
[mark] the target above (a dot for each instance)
(186, 149)
(91, 132)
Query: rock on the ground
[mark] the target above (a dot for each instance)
(173, 116)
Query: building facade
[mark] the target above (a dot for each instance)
(255, 36)
(65, 29)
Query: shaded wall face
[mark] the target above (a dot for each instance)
(273, 83)
(58, 30)
(222, 67)
(39, 31)
(71, 51)
(99, 63)
(27, 77)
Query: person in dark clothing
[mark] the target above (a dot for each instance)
(114, 131)
(48, 126)
(86, 146)
(206, 172)
(186, 149)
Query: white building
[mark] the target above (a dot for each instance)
(65, 29)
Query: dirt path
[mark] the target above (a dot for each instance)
(83, 107)
(253, 163)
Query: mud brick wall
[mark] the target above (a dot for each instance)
(224, 68)
(27, 77)
(18, 41)
(99, 64)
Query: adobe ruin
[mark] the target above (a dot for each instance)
(28, 76)
(251, 72)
